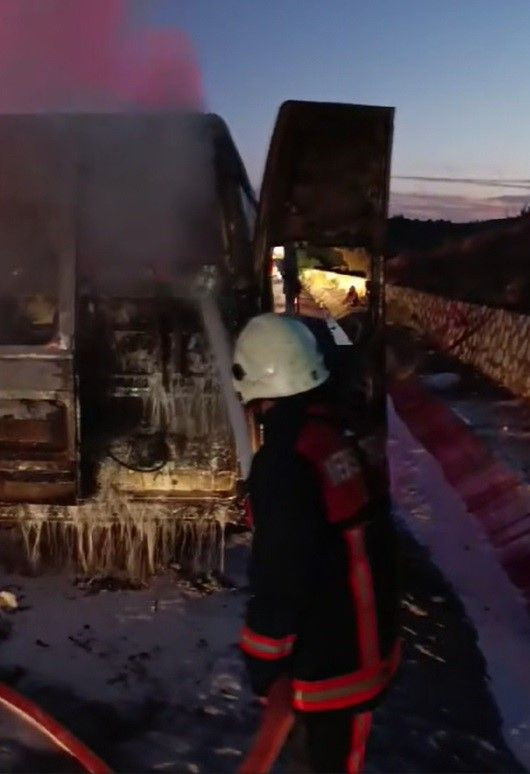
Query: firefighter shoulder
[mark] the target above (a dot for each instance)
(323, 606)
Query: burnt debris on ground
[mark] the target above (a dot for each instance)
(440, 715)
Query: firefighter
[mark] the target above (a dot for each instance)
(322, 572)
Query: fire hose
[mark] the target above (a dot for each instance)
(220, 347)
(33, 715)
(276, 724)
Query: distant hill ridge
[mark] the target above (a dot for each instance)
(483, 262)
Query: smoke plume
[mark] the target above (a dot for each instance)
(77, 55)
(142, 189)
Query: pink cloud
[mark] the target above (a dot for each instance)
(72, 55)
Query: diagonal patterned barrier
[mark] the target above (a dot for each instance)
(494, 341)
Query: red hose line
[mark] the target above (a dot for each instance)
(276, 723)
(35, 716)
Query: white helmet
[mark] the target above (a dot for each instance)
(276, 356)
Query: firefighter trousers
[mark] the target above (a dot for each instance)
(336, 740)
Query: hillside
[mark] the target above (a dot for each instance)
(485, 262)
(405, 234)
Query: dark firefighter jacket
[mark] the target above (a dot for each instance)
(322, 570)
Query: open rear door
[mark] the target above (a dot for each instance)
(326, 180)
(323, 211)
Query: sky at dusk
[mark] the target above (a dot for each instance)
(457, 72)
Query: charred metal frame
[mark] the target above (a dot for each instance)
(45, 373)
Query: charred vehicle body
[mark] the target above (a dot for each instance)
(115, 424)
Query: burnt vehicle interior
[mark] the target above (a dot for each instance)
(111, 228)
(152, 404)
(103, 356)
